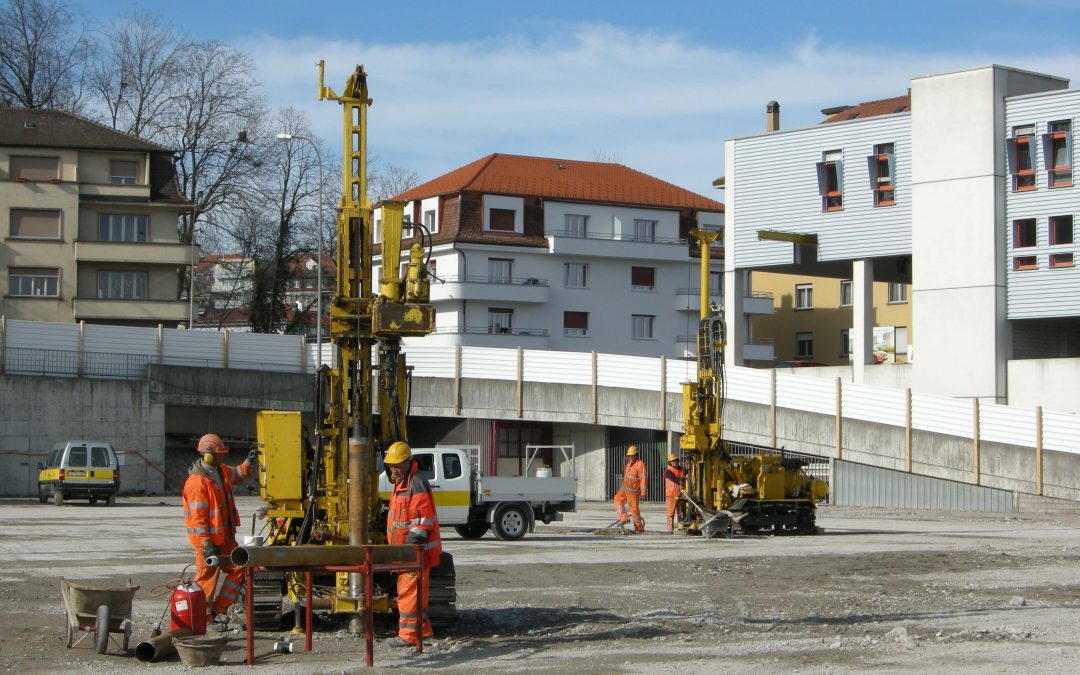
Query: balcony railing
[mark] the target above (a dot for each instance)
(490, 330)
(479, 279)
(24, 361)
(611, 236)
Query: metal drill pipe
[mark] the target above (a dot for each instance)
(159, 647)
(314, 555)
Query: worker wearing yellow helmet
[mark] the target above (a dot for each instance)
(674, 479)
(412, 520)
(634, 487)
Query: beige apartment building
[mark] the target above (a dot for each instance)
(813, 318)
(88, 220)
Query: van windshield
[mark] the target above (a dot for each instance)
(99, 456)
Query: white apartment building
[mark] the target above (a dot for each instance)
(964, 189)
(88, 217)
(557, 254)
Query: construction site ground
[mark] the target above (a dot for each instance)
(878, 590)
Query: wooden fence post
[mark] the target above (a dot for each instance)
(80, 369)
(975, 459)
(907, 429)
(772, 407)
(1038, 450)
(225, 348)
(663, 393)
(595, 389)
(839, 419)
(520, 381)
(457, 380)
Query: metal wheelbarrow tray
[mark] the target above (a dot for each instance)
(99, 610)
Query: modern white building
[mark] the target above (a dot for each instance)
(964, 189)
(566, 255)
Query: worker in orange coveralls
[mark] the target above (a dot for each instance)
(412, 520)
(212, 519)
(634, 485)
(674, 479)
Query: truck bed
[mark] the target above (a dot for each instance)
(526, 489)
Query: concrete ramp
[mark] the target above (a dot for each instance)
(865, 485)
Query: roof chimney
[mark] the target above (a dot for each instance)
(772, 116)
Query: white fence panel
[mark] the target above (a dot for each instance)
(489, 363)
(678, 372)
(874, 404)
(557, 367)
(811, 394)
(1061, 432)
(193, 348)
(431, 361)
(629, 372)
(752, 385)
(1002, 424)
(942, 415)
(43, 335)
(121, 340)
(264, 351)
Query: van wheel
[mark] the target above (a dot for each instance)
(41, 495)
(93, 500)
(110, 500)
(473, 530)
(58, 497)
(511, 523)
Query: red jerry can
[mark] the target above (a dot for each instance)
(187, 608)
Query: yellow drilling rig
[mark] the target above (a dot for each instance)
(767, 492)
(321, 485)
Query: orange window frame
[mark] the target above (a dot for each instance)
(1060, 174)
(884, 192)
(1023, 150)
(1025, 222)
(832, 177)
(1025, 262)
(1061, 260)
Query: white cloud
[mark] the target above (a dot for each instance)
(659, 102)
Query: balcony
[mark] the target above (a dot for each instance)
(758, 303)
(164, 311)
(492, 289)
(482, 336)
(617, 246)
(689, 299)
(133, 252)
(759, 349)
(101, 192)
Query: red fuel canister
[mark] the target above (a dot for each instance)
(187, 608)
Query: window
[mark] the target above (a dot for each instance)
(644, 230)
(451, 466)
(642, 278)
(845, 343)
(577, 226)
(804, 296)
(429, 221)
(1061, 260)
(34, 281)
(123, 173)
(1058, 144)
(433, 268)
(1061, 230)
(35, 168)
(122, 228)
(377, 233)
(716, 284)
(499, 270)
(501, 220)
(884, 192)
(28, 224)
(99, 456)
(77, 457)
(1024, 262)
(847, 294)
(897, 293)
(576, 275)
(804, 345)
(1024, 233)
(575, 324)
(425, 464)
(117, 285)
(641, 326)
(831, 180)
(1023, 158)
(500, 320)
(406, 227)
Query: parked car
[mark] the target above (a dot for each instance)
(80, 470)
(797, 363)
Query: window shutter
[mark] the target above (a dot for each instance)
(1010, 152)
(643, 276)
(840, 176)
(35, 224)
(892, 166)
(821, 180)
(871, 165)
(578, 320)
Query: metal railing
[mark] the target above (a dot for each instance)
(489, 330)
(26, 361)
(479, 279)
(813, 465)
(608, 236)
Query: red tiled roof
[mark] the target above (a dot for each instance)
(886, 106)
(562, 179)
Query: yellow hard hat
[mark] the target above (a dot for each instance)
(631, 451)
(672, 457)
(398, 452)
(211, 443)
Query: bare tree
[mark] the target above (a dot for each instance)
(389, 180)
(42, 54)
(606, 157)
(140, 63)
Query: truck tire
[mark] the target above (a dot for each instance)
(473, 530)
(58, 497)
(511, 522)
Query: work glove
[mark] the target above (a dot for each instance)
(415, 538)
(252, 456)
(208, 549)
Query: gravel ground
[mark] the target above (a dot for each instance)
(879, 590)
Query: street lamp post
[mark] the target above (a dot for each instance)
(318, 256)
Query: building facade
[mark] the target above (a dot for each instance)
(558, 254)
(963, 190)
(89, 219)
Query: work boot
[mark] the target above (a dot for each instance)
(217, 623)
(398, 643)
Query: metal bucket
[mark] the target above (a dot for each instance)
(200, 650)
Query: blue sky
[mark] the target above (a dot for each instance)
(656, 85)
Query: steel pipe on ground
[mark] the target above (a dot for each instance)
(309, 555)
(159, 647)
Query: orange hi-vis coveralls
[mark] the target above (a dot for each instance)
(674, 477)
(412, 520)
(211, 518)
(634, 483)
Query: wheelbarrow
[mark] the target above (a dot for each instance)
(99, 610)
